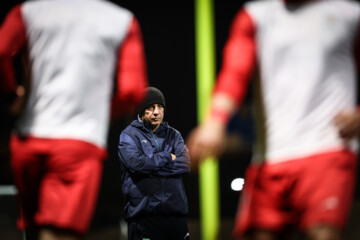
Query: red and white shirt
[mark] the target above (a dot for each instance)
(76, 48)
(307, 72)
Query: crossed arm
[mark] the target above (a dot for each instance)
(159, 163)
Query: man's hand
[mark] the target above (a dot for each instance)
(206, 140)
(348, 124)
(173, 157)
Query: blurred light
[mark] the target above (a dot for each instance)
(8, 190)
(237, 184)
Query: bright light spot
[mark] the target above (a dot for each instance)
(8, 190)
(237, 184)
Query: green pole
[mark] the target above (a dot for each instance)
(205, 77)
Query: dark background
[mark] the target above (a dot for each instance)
(169, 38)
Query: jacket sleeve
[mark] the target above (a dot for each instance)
(239, 57)
(12, 41)
(181, 165)
(134, 159)
(131, 72)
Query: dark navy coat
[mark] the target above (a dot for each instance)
(152, 182)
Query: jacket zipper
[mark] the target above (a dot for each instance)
(156, 142)
(163, 178)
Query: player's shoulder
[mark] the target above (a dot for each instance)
(96, 6)
(346, 3)
(262, 5)
(347, 9)
(114, 7)
(259, 9)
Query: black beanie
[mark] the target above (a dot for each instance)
(153, 96)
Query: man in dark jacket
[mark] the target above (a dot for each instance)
(153, 159)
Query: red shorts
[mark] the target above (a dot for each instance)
(58, 181)
(302, 193)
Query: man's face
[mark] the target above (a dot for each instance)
(153, 116)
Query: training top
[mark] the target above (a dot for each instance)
(76, 49)
(305, 57)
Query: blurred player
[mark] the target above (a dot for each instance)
(75, 49)
(303, 170)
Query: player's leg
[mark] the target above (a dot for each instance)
(263, 210)
(325, 194)
(69, 189)
(49, 233)
(27, 165)
(323, 232)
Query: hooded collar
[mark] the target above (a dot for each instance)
(143, 127)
